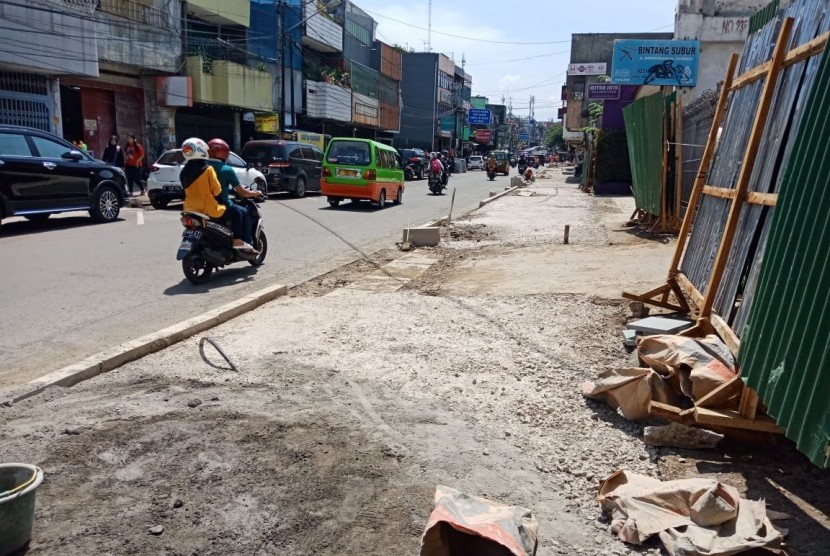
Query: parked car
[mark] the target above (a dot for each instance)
(476, 162)
(41, 174)
(419, 160)
(287, 165)
(164, 186)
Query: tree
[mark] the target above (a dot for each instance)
(553, 136)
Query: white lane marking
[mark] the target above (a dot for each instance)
(139, 218)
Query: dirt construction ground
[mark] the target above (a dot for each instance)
(350, 406)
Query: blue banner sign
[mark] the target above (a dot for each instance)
(666, 62)
(477, 116)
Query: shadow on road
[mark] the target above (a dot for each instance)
(221, 278)
(25, 227)
(361, 206)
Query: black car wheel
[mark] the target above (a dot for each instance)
(399, 197)
(105, 205)
(40, 217)
(196, 269)
(299, 190)
(419, 173)
(261, 245)
(334, 202)
(382, 199)
(159, 203)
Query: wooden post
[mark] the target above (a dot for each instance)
(678, 163)
(665, 138)
(452, 203)
(567, 233)
(747, 165)
(703, 170)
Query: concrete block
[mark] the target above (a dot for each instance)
(423, 236)
(516, 181)
(659, 325)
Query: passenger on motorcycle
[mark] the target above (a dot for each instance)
(201, 186)
(219, 152)
(435, 165)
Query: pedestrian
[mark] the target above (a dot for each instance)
(112, 154)
(133, 161)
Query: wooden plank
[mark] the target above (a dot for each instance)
(751, 76)
(733, 419)
(749, 403)
(767, 199)
(720, 396)
(721, 192)
(663, 291)
(665, 137)
(726, 333)
(672, 413)
(794, 56)
(747, 165)
(678, 162)
(807, 50)
(703, 169)
(689, 289)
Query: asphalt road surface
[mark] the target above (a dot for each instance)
(71, 288)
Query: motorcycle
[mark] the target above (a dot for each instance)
(491, 173)
(409, 172)
(207, 245)
(522, 168)
(435, 183)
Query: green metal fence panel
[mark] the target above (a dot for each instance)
(785, 349)
(763, 16)
(364, 80)
(644, 128)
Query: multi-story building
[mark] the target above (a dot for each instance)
(99, 79)
(230, 83)
(722, 28)
(434, 101)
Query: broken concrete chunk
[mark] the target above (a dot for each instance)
(681, 436)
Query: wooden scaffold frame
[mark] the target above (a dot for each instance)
(700, 304)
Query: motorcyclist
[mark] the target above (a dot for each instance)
(435, 164)
(491, 163)
(201, 186)
(219, 152)
(522, 161)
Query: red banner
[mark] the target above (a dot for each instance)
(482, 135)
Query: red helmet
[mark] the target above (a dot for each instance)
(219, 149)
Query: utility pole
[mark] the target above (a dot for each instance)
(429, 29)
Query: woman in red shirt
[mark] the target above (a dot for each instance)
(133, 160)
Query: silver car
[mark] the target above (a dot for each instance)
(164, 186)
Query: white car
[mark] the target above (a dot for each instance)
(164, 186)
(476, 162)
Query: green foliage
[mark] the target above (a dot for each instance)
(553, 136)
(603, 79)
(612, 163)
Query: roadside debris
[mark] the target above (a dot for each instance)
(693, 517)
(677, 435)
(464, 524)
(677, 366)
(212, 342)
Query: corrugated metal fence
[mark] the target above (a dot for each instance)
(786, 348)
(644, 128)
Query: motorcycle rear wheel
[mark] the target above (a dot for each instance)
(261, 245)
(196, 269)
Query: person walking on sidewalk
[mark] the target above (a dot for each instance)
(133, 159)
(113, 154)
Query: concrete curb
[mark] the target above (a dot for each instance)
(489, 200)
(113, 358)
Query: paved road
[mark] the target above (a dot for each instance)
(71, 289)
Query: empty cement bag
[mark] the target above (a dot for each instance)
(464, 525)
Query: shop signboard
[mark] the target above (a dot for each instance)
(317, 139)
(478, 116)
(267, 123)
(639, 62)
(587, 68)
(483, 135)
(603, 91)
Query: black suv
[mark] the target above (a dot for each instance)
(40, 173)
(418, 158)
(287, 165)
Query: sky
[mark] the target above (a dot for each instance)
(489, 35)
